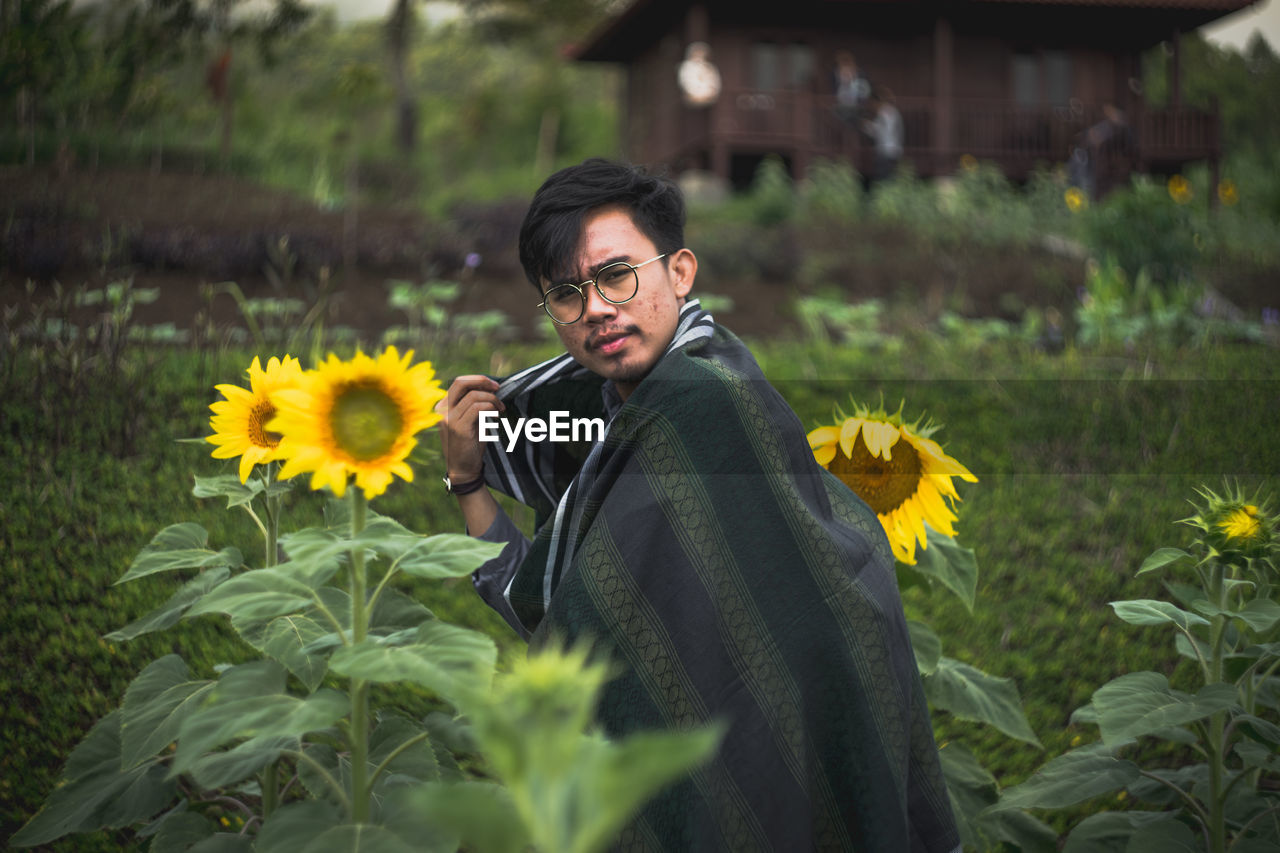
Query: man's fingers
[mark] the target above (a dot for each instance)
(464, 385)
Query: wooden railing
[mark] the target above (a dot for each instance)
(999, 131)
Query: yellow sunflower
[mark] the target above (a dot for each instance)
(1075, 199)
(1227, 193)
(902, 474)
(1180, 189)
(356, 417)
(240, 421)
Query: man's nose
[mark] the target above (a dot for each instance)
(598, 308)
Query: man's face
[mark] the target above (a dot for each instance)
(624, 342)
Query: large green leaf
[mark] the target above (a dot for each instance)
(1260, 614)
(926, 645)
(259, 594)
(480, 813)
(1141, 703)
(945, 561)
(1111, 832)
(219, 769)
(1071, 778)
(292, 827)
(450, 660)
(412, 764)
(249, 702)
(447, 555)
(971, 789)
(616, 778)
(171, 611)
(155, 705)
(95, 793)
(972, 694)
(223, 842)
(1149, 611)
(395, 611)
(359, 838)
(180, 831)
(284, 639)
(180, 546)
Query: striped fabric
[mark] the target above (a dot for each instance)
(731, 578)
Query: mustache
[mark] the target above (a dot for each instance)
(594, 340)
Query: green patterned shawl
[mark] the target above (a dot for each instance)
(735, 580)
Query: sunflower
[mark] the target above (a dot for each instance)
(902, 474)
(240, 421)
(1179, 189)
(1227, 193)
(356, 417)
(1075, 199)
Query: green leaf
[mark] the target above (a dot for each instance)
(155, 705)
(249, 702)
(315, 554)
(395, 611)
(926, 645)
(1162, 558)
(1141, 703)
(972, 694)
(219, 769)
(284, 639)
(1259, 729)
(228, 486)
(358, 838)
(617, 778)
(448, 555)
(1110, 832)
(95, 793)
(416, 763)
(1147, 611)
(446, 659)
(258, 594)
(972, 790)
(1260, 614)
(171, 611)
(1167, 836)
(956, 568)
(1183, 644)
(180, 546)
(292, 827)
(1257, 755)
(180, 831)
(1071, 778)
(481, 814)
(223, 842)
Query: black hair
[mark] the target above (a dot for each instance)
(552, 229)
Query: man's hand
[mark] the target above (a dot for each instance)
(468, 396)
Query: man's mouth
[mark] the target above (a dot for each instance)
(610, 342)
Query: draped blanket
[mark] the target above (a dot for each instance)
(733, 579)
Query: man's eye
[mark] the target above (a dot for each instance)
(562, 296)
(613, 275)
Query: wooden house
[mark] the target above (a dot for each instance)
(1014, 82)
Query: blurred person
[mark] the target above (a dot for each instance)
(1096, 147)
(697, 543)
(885, 130)
(852, 89)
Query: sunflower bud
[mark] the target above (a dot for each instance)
(1234, 526)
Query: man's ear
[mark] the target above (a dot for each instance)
(684, 268)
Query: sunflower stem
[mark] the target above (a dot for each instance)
(359, 687)
(272, 531)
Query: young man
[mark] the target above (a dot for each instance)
(697, 543)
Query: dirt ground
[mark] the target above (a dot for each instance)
(179, 232)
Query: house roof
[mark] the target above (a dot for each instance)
(627, 34)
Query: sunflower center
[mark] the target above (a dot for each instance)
(259, 416)
(885, 484)
(366, 422)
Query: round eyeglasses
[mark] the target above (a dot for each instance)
(616, 283)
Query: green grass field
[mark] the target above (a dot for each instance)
(1085, 461)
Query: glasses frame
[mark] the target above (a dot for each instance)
(592, 282)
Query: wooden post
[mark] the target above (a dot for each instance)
(1175, 72)
(1215, 151)
(943, 112)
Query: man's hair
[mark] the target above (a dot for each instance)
(552, 230)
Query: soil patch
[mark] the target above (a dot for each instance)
(181, 232)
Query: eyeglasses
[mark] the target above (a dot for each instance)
(616, 283)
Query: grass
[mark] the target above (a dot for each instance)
(1084, 463)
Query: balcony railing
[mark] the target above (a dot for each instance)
(1015, 137)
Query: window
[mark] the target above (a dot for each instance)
(1026, 79)
(1040, 78)
(1057, 77)
(765, 70)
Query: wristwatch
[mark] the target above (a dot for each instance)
(464, 488)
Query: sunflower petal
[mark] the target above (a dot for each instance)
(849, 433)
(880, 437)
(825, 454)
